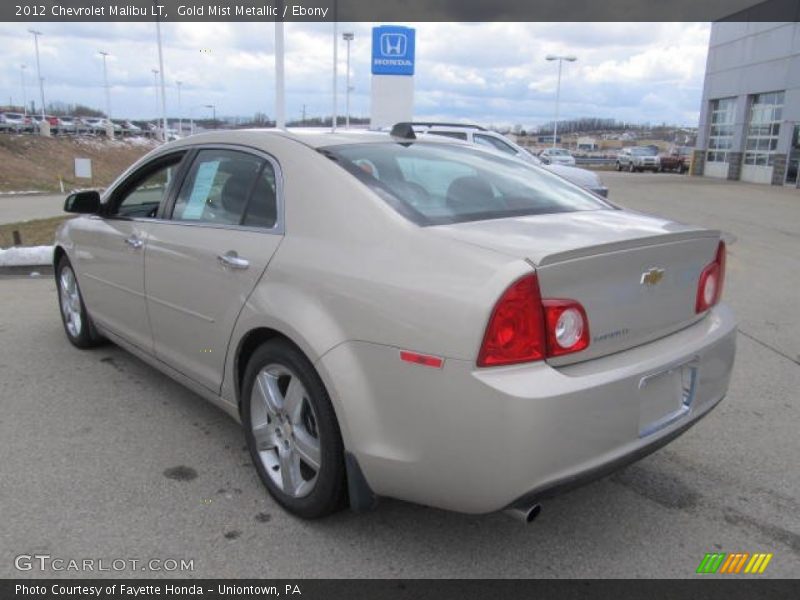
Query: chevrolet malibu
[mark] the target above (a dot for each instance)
(396, 317)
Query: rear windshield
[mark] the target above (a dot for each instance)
(438, 184)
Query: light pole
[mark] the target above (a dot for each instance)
(191, 116)
(213, 113)
(161, 68)
(347, 37)
(36, 35)
(155, 89)
(280, 80)
(335, 66)
(105, 54)
(24, 91)
(560, 60)
(180, 112)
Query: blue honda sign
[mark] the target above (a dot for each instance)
(392, 50)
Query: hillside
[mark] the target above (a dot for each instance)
(31, 162)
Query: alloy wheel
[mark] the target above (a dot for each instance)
(70, 301)
(284, 426)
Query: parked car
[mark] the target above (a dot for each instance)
(480, 136)
(69, 124)
(17, 122)
(638, 158)
(52, 121)
(678, 159)
(127, 127)
(557, 156)
(99, 125)
(397, 316)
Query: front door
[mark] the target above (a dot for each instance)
(109, 252)
(206, 256)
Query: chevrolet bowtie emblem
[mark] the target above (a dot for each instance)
(652, 276)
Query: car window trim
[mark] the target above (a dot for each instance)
(277, 229)
(129, 181)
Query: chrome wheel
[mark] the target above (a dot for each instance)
(70, 301)
(284, 426)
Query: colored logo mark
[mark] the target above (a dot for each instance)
(734, 563)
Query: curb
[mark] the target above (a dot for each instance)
(26, 270)
(29, 193)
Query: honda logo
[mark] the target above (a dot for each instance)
(393, 44)
(392, 50)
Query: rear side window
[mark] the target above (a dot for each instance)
(227, 187)
(451, 134)
(437, 184)
(493, 142)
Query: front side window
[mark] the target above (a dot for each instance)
(434, 184)
(142, 194)
(227, 187)
(766, 113)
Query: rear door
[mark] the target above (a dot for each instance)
(109, 250)
(206, 256)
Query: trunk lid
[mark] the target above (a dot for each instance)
(635, 275)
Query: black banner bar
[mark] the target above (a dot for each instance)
(732, 588)
(398, 11)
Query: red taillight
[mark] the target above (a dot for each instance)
(515, 332)
(525, 328)
(567, 327)
(712, 278)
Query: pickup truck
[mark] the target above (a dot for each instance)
(677, 159)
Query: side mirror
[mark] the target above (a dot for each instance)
(86, 202)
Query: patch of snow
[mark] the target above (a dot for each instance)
(21, 256)
(142, 141)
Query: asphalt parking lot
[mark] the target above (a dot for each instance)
(86, 438)
(25, 207)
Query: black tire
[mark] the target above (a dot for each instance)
(619, 166)
(329, 493)
(81, 332)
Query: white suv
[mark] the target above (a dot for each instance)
(475, 134)
(639, 158)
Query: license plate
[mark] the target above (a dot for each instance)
(665, 397)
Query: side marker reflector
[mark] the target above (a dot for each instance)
(421, 359)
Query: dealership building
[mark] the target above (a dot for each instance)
(750, 113)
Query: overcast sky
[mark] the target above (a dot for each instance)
(492, 73)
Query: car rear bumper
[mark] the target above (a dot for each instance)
(479, 440)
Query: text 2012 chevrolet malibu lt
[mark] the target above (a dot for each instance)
(393, 317)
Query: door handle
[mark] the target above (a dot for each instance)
(134, 242)
(233, 260)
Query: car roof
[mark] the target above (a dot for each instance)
(311, 137)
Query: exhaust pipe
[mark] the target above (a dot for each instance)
(526, 514)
